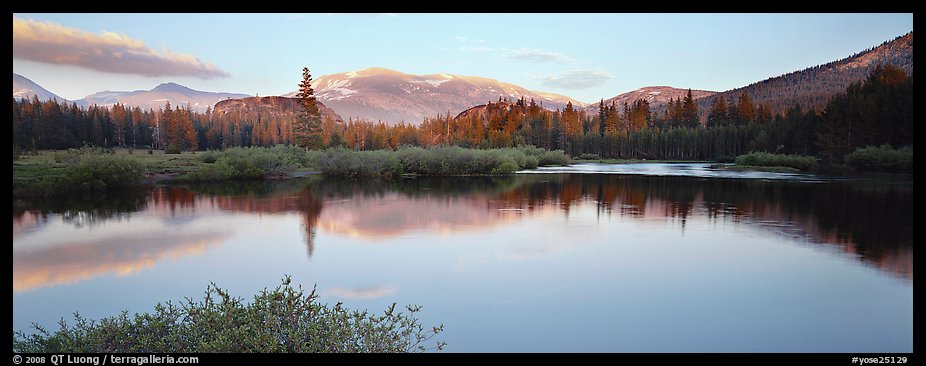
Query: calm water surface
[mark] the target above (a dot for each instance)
(638, 258)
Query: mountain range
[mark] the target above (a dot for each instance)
(378, 94)
(176, 94)
(392, 96)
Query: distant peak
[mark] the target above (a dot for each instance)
(379, 70)
(171, 87)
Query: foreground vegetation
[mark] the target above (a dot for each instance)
(435, 161)
(765, 159)
(281, 320)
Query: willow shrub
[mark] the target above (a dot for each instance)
(249, 163)
(883, 157)
(435, 161)
(761, 158)
(281, 320)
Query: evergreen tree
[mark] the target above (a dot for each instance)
(689, 111)
(307, 129)
(718, 114)
(602, 118)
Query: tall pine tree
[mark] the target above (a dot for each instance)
(307, 129)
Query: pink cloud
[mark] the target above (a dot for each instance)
(107, 52)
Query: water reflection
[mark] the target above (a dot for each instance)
(868, 221)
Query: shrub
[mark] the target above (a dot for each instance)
(281, 320)
(249, 163)
(507, 166)
(589, 156)
(172, 150)
(85, 174)
(883, 157)
(96, 174)
(555, 157)
(209, 157)
(761, 158)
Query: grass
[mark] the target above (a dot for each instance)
(281, 320)
(778, 161)
(76, 171)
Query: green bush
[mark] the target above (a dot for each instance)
(505, 167)
(209, 157)
(555, 157)
(883, 157)
(89, 173)
(762, 158)
(249, 163)
(589, 156)
(172, 150)
(97, 174)
(281, 320)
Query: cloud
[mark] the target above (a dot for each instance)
(362, 293)
(107, 52)
(577, 79)
(535, 55)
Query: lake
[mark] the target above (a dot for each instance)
(592, 257)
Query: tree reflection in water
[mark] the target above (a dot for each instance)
(868, 220)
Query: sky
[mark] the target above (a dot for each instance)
(583, 56)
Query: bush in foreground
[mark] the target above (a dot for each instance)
(761, 158)
(281, 320)
(883, 157)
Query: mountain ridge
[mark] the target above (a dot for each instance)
(392, 96)
(24, 87)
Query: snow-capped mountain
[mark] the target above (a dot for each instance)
(391, 96)
(23, 88)
(176, 94)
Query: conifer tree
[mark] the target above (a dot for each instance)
(307, 129)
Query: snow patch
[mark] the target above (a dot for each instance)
(654, 93)
(433, 83)
(352, 74)
(337, 93)
(446, 76)
(333, 84)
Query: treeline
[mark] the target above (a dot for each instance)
(873, 112)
